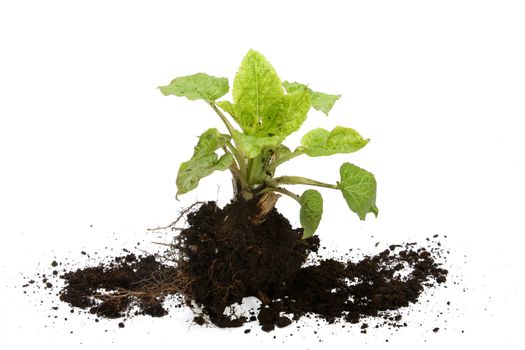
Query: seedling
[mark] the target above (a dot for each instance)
(266, 111)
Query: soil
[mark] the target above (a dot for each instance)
(222, 257)
(127, 280)
(227, 257)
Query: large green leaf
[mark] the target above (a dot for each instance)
(319, 100)
(359, 189)
(252, 146)
(311, 212)
(289, 115)
(257, 92)
(320, 142)
(198, 86)
(204, 161)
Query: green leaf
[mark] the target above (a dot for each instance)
(289, 115)
(323, 102)
(359, 189)
(281, 152)
(256, 92)
(204, 161)
(227, 106)
(198, 86)
(320, 142)
(260, 106)
(311, 212)
(209, 142)
(252, 146)
(319, 100)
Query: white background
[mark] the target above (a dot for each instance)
(87, 139)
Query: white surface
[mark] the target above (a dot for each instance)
(85, 138)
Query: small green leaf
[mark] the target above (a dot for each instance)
(198, 86)
(320, 142)
(323, 102)
(226, 106)
(204, 161)
(319, 100)
(256, 92)
(209, 142)
(252, 146)
(311, 212)
(359, 189)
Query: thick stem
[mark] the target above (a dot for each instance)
(255, 170)
(299, 180)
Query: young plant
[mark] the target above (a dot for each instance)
(267, 110)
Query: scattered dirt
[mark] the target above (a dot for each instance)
(110, 290)
(222, 257)
(333, 289)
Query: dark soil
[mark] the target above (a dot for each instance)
(222, 257)
(228, 257)
(128, 280)
(332, 289)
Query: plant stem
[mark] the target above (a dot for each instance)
(256, 170)
(236, 154)
(239, 157)
(223, 118)
(280, 161)
(240, 162)
(298, 180)
(280, 190)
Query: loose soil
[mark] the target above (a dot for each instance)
(221, 258)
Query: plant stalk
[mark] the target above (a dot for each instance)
(299, 180)
(237, 154)
(255, 170)
(223, 118)
(280, 190)
(284, 159)
(239, 158)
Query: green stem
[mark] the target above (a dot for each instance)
(238, 171)
(223, 118)
(286, 158)
(255, 170)
(237, 154)
(298, 180)
(280, 190)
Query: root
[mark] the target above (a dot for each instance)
(181, 215)
(154, 288)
